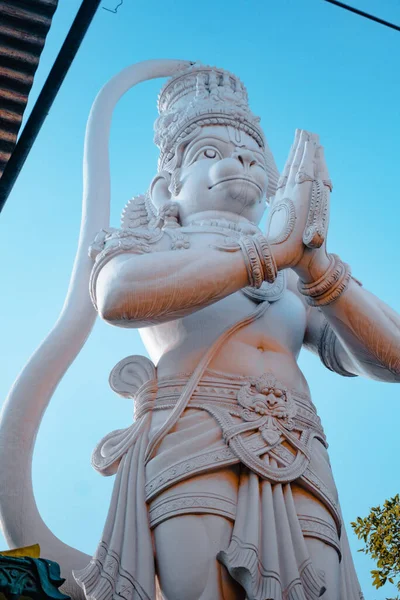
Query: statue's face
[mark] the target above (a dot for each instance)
(223, 169)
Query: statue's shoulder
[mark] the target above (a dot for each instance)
(139, 229)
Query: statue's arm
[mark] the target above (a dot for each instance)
(364, 330)
(139, 288)
(358, 334)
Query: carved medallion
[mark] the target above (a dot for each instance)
(269, 403)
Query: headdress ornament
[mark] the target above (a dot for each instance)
(202, 95)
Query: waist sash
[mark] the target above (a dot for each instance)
(256, 416)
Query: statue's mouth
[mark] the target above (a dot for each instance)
(247, 179)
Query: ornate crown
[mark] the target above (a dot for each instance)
(203, 95)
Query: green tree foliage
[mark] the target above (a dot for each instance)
(380, 532)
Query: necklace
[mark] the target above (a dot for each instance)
(246, 228)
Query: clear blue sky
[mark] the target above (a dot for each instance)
(306, 64)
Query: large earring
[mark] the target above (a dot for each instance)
(175, 185)
(164, 175)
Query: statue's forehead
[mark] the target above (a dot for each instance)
(229, 134)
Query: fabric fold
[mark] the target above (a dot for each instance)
(109, 451)
(123, 565)
(271, 561)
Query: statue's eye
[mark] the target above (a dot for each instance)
(210, 153)
(205, 152)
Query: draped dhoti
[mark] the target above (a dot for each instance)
(248, 449)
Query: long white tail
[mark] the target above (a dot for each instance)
(31, 393)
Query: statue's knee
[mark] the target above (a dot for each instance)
(184, 584)
(326, 559)
(183, 558)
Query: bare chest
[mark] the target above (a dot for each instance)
(280, 330)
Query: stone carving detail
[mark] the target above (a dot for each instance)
(114, 579)
(268, 292)
(327, 351)
(181, 470)
(180, 504)
(281, 221)
(316, 227)
(224, 224)
(203, 96)
(180, 242)
(137, 213)
(130, 374)
(330, 286)
(217, 92)
(265, 402)
(320, 529)
(168, 216)
(108, 244)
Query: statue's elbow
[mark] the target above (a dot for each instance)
(385, 373)
(116, 309)
(109, 306)
(393, 366)
(391, 377)
(396, 376)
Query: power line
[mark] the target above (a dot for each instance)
(364, 14)
(114, 10)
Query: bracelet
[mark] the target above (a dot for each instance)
(266, 257)
(330, 286)
(319, 287)
(252, 260)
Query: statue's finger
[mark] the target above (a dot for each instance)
(322, 168)
(298, 155)
(285, 173)
(307, 167)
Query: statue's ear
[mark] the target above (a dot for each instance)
(159, 192)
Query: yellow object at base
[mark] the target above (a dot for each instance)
(32, 551)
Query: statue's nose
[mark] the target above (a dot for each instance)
(245, 157)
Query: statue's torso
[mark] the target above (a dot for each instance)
(270, 344)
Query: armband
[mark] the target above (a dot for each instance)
(327, 351)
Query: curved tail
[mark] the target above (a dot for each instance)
(31, 393)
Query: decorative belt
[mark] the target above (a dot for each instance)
(265, 426)
(256, 416)
(261, 400)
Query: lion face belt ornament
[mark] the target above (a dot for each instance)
(267, 404)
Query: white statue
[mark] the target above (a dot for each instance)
(223, 484)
